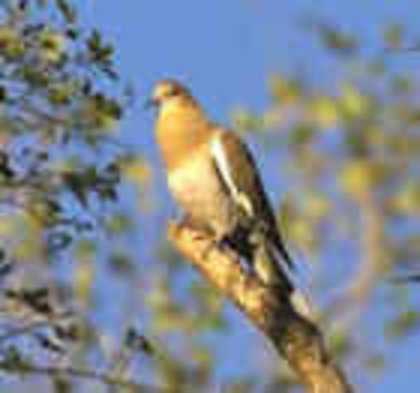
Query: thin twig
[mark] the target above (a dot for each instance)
(86, 374)
(22, 330)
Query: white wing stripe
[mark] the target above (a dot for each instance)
(223, 166)
(219, 155)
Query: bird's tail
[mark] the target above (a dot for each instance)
(271, 273)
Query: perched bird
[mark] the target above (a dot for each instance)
(214, 179)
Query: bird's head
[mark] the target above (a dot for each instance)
(168, 91)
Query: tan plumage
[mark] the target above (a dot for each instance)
(213, 177)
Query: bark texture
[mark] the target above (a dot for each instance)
(295, 338)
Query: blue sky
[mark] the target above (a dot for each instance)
(225, 50)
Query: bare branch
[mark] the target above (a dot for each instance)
(295, 338)
(79, 373)
(23, 330)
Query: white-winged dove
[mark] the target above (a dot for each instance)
(214, 179)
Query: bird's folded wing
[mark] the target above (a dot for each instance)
(239, 173)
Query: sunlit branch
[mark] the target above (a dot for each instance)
(295, 338)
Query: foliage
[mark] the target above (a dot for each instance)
(352, 157)
(65, 227)
(60, 173)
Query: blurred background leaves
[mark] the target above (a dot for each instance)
(84, 286)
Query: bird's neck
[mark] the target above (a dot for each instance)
(181, 129)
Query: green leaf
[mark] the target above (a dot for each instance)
(67, 11)
(404, 324)
(393, 36)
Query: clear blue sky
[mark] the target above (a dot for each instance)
(225, 49)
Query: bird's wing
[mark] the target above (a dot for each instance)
(239, 173)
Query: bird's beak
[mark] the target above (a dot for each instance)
(150, 103)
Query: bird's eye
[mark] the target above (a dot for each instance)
(173, 91)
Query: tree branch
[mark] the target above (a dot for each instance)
(79, 373)
(294, 337)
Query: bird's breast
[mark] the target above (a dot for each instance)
(198, 190)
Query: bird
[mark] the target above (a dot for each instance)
(214, 178)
